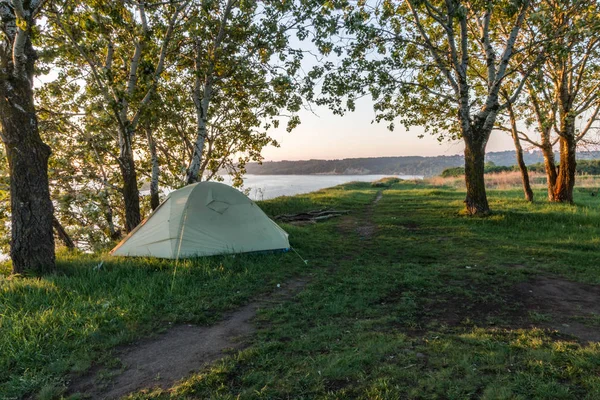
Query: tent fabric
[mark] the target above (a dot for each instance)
(203, 219)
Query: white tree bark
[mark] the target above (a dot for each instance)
(202, 94)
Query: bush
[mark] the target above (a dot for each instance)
(453, 172)
(490, 168)
(584, 167)
(386, 182)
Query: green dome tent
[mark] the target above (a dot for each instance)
(203, 219)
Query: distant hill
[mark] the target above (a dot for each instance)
(405, 165)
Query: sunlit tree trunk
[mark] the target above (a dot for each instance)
(550, 167)
(519, 154)
(563, 190)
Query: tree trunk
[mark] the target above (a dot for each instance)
(201, 102)
(563, 190)
(131, 194)
(519, 154)
(32, 241)
(113, 233)
(104, 199)
(550, 167)
(154, 197)
(523, 168)
(193, 170)
(476, 201)
(62, 234)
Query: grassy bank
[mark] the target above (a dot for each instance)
(408, 298)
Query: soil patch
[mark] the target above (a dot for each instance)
(552, 303)
(570, 307)
(364, 226)
(161, 361)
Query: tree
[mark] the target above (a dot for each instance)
(514, 131)
(112, 45)
(32, 240)
(569, 85)
(436, 64)
(242, 59)
(252, 89)
(563, 90)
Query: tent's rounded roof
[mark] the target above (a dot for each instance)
(205, 218)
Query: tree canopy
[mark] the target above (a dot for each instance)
(138, 98)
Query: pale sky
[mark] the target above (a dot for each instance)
(328, 136)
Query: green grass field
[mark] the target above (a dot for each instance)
(408, 298)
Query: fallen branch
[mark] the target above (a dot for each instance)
(314, 216)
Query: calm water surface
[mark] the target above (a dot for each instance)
(263, 187)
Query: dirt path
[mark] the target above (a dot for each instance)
(161, 361)
(367, 228)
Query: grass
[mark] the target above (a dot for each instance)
(512, 179)
(425, 308)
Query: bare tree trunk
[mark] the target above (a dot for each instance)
(154, 197)
(194, 168)
(113, 233)
(32, 241)
(476, 201)
(550, 167)
(62, 234)
(523, 168)
(563, 190)
(104, 199)
(519, 154)
(202, 94)
(131, 194)
(205, 88)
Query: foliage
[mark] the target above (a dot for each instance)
(386, 182)
(584, 167)
(489, 169)
(110, 88)
(439, 65)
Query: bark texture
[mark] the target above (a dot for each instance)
(476, 201)
(563, 190)
(32, 239)
(131, 194)
(154, 197)
(551, 170)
